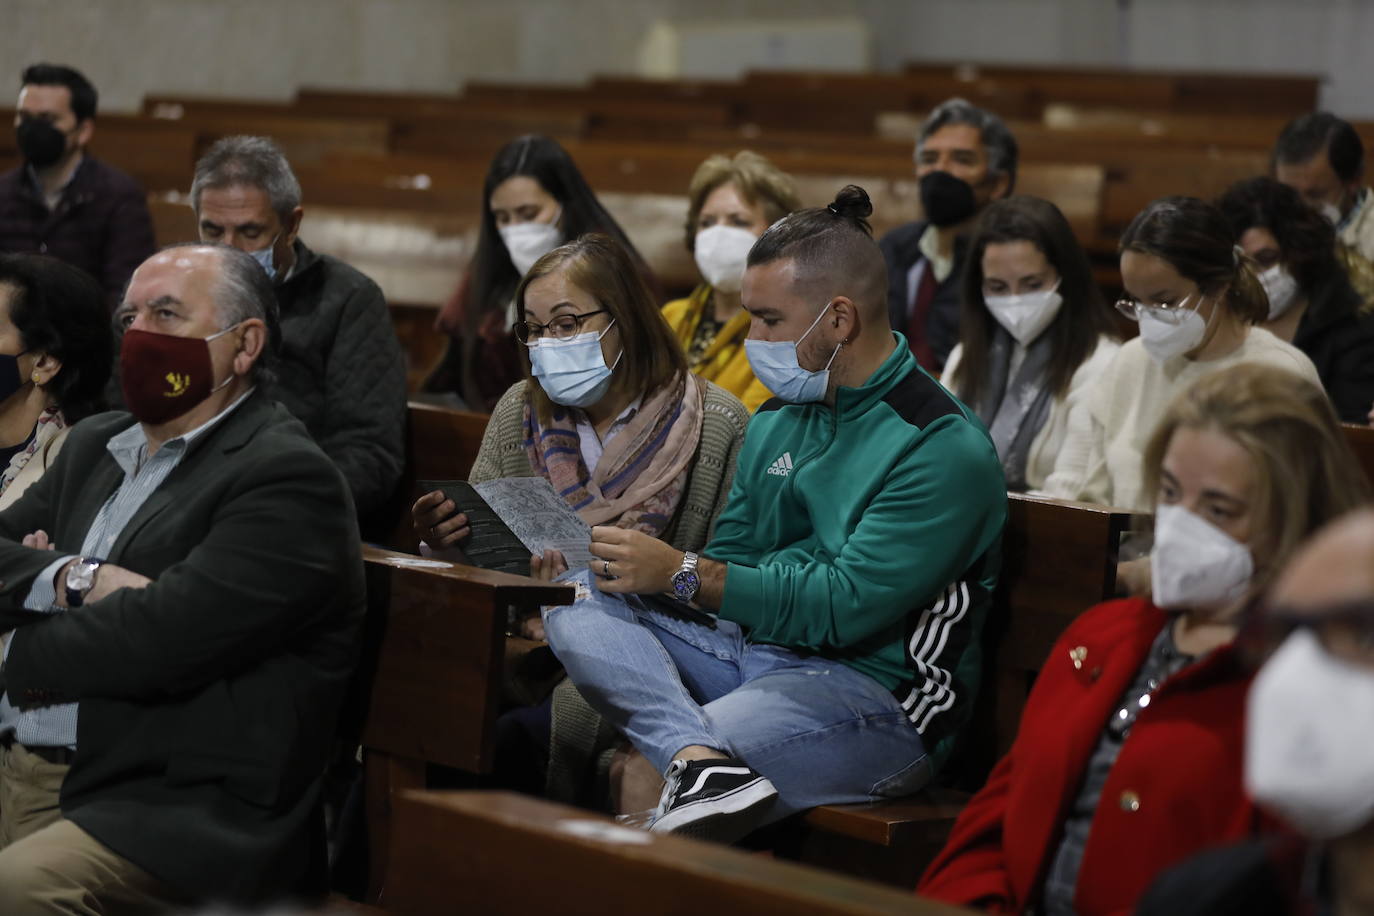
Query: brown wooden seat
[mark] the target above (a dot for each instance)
(499, 853)
(435, 688)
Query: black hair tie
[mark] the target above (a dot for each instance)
(831, 208)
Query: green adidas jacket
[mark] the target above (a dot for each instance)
(870, 533)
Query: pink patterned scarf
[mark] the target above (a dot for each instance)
(642, 474)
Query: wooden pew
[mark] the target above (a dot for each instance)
(1058, 559)
(500, 853)
(302, 137)
(1160, 90)
(436, 684)
(1361, 441)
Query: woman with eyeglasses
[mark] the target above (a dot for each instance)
(534, 199)
(1311, 301)
(1034, 335)
(1197, 301)
(607, 412)
(1129, 752)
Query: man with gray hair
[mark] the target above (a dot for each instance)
(191, 576)
(340, 369)
(965, 159)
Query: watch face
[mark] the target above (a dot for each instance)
(80, 576)
(685, 584)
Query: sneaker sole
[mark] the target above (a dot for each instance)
(722, 818)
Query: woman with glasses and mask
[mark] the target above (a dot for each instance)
(607, 411)
(1198, 303)
(1311, 302)
(533, 200)
(1129, 753)
(1034, 336)
(730, 201)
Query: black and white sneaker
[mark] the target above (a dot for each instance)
(721, 800)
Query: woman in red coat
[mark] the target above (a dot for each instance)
(1128, 757)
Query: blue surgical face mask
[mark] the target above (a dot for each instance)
(266, 258)
(572, 372)
(775, 364)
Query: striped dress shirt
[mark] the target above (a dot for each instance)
(55, 726)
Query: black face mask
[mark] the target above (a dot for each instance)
(947, 200)
(41, 143)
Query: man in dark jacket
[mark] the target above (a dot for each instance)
(340, 368)
(61, 201)
(965, 159)
(192, 578)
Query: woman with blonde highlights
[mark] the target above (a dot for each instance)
(731, 200)
(607, 411)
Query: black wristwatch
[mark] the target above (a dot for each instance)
(80, 579)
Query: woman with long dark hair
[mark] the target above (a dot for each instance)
(1034, 335)
(533, 199)
(1311, 302)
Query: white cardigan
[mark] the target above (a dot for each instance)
(1100, 461)
(1047, 444)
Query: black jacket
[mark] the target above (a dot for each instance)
(209, 699)
(1260, 877)
(341, 371)
(901, 249)
(1340, 342)
(101, 224)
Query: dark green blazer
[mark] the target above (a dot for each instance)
(209, 698)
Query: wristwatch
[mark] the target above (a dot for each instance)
(80, 578)
(685, 580)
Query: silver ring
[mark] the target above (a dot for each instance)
(606, 568)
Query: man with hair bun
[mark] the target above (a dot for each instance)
(823, 649)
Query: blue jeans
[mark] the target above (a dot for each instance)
(822, 732)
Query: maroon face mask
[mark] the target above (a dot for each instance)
(164, 376)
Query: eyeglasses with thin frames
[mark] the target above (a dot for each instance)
(560, 327)
(1173, 314)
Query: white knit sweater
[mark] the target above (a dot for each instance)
(1100, 460)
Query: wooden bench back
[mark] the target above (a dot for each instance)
(479, 848)
(434, 697)
(302, 137)
(1158, 90)
(1058, 559)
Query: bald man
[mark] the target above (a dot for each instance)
(824, 648)
(189, 574)
(1308, 754)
